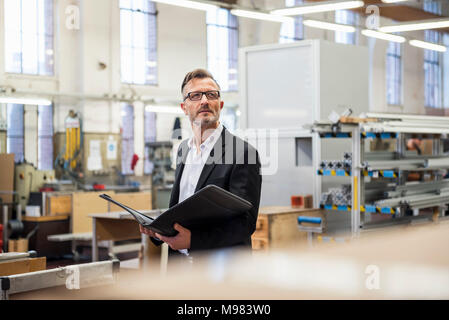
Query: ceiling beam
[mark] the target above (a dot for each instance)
(397, 12)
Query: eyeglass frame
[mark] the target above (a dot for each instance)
(202, 93)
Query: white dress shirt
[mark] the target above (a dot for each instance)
(193, 166)
(194, 163)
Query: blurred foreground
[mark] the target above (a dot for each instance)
(397, 264)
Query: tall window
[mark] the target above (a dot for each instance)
(222, 47)
(45, 137)
(346, 17)
(127, 114)
(446, 72)
(394, 74)
(432, 63)
(15, 132)
(138, 42)
(29, 36)
(293, 30)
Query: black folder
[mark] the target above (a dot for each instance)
(209, 205)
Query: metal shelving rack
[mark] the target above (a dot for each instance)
(389, 126)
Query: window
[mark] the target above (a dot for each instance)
(294, 30)
(15, 132)
(222, 47)
(45, 137)
(446, 72)
(29, 35)
(346, 17)
(127, 114)
(432, 63)
(138, 42)
(394, 74)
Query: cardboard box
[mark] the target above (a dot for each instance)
(7, 177)
(19, 245)
(59, 204)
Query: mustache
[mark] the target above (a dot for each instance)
(204, 109)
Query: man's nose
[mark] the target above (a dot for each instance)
(204, 99)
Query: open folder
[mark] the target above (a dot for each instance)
(209, 205)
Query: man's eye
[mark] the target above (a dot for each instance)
(195, 95)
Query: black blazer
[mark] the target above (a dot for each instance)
(233, 165)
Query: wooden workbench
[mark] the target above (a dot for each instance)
(277, 227)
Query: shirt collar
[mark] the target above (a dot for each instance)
(211, 139)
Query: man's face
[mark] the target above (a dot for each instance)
(204, 112)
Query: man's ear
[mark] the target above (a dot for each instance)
(221, 104)
(183, 107)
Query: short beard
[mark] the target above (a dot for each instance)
(205, 123)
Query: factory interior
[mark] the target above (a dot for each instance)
(345, 102)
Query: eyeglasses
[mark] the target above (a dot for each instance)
(198, 95)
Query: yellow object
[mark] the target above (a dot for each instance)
(72, 138)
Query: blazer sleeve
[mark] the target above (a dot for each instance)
(245, 182)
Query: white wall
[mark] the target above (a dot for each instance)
(181, 48)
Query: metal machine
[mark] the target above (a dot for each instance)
(159, 154)
(68, 159)
(29, 179)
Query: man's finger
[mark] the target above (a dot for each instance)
(178, 227)
(162, 238)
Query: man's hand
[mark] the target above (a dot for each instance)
(147, 231)
(178, 242)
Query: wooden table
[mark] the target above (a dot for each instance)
(277, 227)
(115, 226)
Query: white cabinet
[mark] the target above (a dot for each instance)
(286, 86)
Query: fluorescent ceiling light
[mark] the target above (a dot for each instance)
(189, 4)
(393, 1)
(383, 36)
(417, 25)
(32, 101)
(328, 26)
(164, 109)
(427, 45)
(319, 7)
(260, 15)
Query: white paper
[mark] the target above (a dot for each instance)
(94, 163)
(94, 150)
(111, 150)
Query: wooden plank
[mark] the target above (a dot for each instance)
(283, 210)
(8, 268)
(84, 204)
(261, 227)
(45, 218)
(38, 264)
(135, 200)
(7, 177)
(260, 244)
(59, 204)
(115, 229)
(356, 120)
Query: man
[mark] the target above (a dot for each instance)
(212, 156)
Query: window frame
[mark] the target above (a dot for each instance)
(353, 23)
(31, 76)
(297, 20)
(132, 84)
(401, 88)
(236, 60)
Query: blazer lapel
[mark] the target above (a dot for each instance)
(181, 159)
(212, 160)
